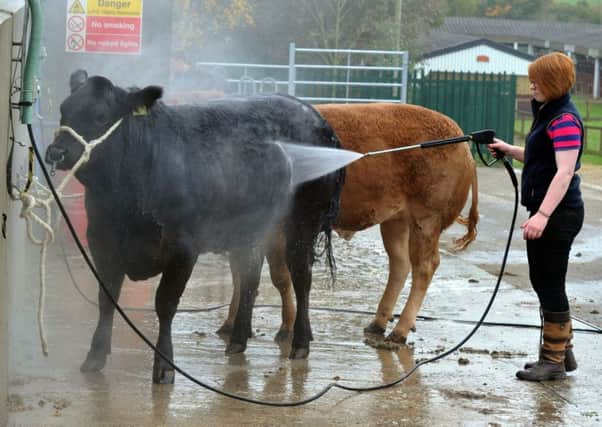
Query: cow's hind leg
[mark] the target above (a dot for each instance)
(101, 341)
(246, 263)
(424, 256)
(395, 235)
(299, 258)
(172, 284)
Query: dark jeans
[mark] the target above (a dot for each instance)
(549, 257)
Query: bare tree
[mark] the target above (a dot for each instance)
(364, 24)
(196, 22)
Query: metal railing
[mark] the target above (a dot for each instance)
(315, 80)
(592, 135)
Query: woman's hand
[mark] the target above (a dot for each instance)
(517, 153)
(499, 145)
(534, 226)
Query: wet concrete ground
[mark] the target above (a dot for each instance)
(473, 386)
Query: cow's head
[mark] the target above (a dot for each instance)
(93, 106)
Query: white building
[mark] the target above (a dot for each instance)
(477, 56)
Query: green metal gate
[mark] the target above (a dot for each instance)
(474, 101)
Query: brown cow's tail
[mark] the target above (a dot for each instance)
(472, 219)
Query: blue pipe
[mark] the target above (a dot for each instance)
(32, 63)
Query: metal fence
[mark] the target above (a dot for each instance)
(361, 76)
(474, 101)
(592, 135)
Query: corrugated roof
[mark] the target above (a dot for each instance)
(583, 36)
(438, 40)
(479, 42)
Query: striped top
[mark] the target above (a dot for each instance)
(565, 133)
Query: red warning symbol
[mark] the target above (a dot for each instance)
(76, 24)
(75, 42)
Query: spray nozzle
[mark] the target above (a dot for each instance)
(484, 136)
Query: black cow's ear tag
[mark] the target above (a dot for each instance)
(140, 111)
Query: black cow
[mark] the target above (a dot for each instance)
(173, 182)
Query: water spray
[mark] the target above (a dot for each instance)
(308, 161)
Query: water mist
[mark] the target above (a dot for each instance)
(310, 162)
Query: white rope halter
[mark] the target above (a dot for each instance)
(88, 147)
(30, 203)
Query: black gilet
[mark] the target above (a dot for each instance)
(540, 161)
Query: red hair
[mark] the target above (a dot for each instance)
(554, 74)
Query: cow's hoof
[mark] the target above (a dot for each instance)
(93, 363)
(299, 353)
(374, 329)
(164, 376)
(396, 339)
(225, 330)
(235, 348)
(282, 335)
(380, 343)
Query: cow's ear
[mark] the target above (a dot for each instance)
(77, 79)
(145, 97)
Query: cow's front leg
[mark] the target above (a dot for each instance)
(228, 325)
(246, 263)
(281, 278)
(172, 284)
(100, 347)
(101, 340)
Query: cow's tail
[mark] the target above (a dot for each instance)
(473, 217)
(323, 247)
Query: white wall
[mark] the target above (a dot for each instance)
(11, 15)
(5, 37)
(466, 61)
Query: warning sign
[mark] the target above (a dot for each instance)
(115, 7)
(75, 43)
(76, 24)
(104, 26)
(76, 7)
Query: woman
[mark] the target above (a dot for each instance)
(550, 192)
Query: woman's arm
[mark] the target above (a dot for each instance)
(566, 137)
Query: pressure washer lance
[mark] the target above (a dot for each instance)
(480, 137)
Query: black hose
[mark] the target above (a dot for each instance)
(593, 328)
(246, 399)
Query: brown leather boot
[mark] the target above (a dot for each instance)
(556, 334)
(570, 363)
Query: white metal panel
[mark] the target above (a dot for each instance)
(467, 60)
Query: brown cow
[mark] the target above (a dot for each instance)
(413, 195)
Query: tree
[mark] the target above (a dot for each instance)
(513, 9)
(582, 11)
(364, 24)
(462, 7)
(198, 22)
